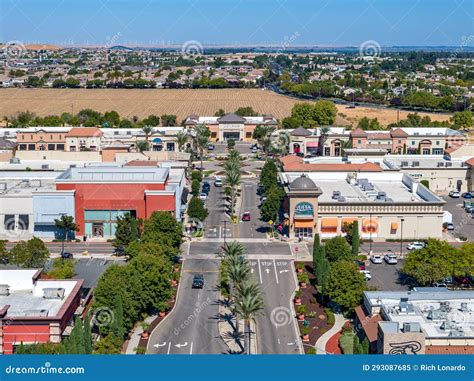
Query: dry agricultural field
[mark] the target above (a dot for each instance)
(181, 102)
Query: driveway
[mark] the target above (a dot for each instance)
(387, 277)
(191, 327)
(463, 222)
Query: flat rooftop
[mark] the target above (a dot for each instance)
(114, 174)
(422, 162)
(439, 314)
(395, 186)
(26, 295)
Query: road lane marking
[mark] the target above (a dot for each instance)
(169, 348)
(260, 271)
(191, 350)
(274, 268)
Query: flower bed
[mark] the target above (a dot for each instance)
(315, 322)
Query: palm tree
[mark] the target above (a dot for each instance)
(201, 139)
(232, 180)
(248, 303)
(181, 139)
(233, 249)
(324, 132)
(142, 145)
(147, 130)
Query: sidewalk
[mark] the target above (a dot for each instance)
(322, 341)
(135, 336)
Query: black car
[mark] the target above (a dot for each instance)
(198, 281)
(120, 250)
(66, 255)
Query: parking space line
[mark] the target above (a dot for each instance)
(260, 272)
(169, 348)
(274, 268)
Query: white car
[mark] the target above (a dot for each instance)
(391, 259)
(376, 259)
(416, 245)
(454, 194)
(218, 182)
(203, 196)
(367, 274)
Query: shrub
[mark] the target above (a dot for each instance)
(303, 277)
(301, 309)
(331, 318)
(311, 351)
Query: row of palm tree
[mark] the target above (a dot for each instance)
(144, 145)
(233, 177)
(245, 294)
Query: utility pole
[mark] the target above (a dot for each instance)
(401, 237)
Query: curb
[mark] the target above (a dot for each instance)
(293, 311)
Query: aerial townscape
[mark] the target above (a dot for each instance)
(236, 199)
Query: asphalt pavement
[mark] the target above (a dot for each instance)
(276, 330)
(192, 325)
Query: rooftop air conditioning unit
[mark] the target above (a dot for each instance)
(44, 166)
(463, 308)
(448, 164)
(440, 164)
(404, 164)
(4, 289)
(53, 293)
(336, 194)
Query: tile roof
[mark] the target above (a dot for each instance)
(142, 163)
(368, 323)
(358, 133)
(470, 162)
(293, 163)
(449, 349)
(84, 132)
(300, 131)
(398, 133)
(231, 118)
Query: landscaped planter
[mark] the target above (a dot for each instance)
(174, 283)
(298, 301)
(305, 338)
(145, 335)
(303, 285)
(162, 314)
(301, 317)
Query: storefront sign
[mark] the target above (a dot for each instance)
(304, 209)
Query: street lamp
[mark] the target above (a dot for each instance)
(402, 220)
(370, 231)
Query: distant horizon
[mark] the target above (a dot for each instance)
(242, 23)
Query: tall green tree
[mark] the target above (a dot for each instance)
(346, 284)
(337, 249)
(126, 230)
(30, 254)
(196, 209)
(65, 224)
(86, 324)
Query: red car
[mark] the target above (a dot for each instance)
(246, 216)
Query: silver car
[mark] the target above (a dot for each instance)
(391, 259)
(376, 259)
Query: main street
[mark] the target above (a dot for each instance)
(191, 327)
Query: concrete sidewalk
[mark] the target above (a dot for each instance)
(340, 320)
(135, 336)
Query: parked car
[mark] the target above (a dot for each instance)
(360, 264)
(390, 259)
(300, 154)
(416, 245)
(467, 195)
(177, 259)
(66, 255)
(254, 150)
(246, 216)
(198, 281)
(367, 274)
(120, 250)
(376, 259)
(218, 182)
(203, 196)
(454, 194)
(440, 285)
(211, 147)
(450, 226)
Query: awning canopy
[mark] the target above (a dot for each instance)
(329, 223)
(348, 220)
(157, 140)
(312, 144)
(304, 224)
(394, 226)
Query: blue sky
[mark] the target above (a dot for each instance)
(239, 22)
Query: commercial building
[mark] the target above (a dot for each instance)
(422, 321)
(94, 196)
(231, 126)
(338, 141)
(34, 310)
(386, 205)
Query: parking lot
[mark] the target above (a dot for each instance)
(462, 221)
(387, 277)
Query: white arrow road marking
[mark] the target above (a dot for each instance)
(267, 271)
(181, 345)
(251, 271)
(291, 343)
(159, 345)
(283, 271)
